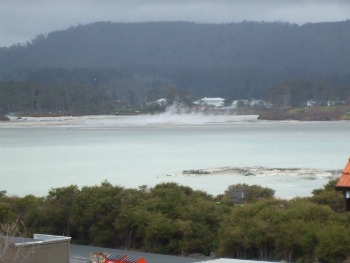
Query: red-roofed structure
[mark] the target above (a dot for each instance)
(101, 257)
(343, 184)
(122, 258)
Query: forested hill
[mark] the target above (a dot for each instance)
(231, 60)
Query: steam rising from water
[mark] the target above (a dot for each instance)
(174, 115)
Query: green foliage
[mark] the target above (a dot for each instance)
(174, 219)
(6, 212)
(243, 193)
(292, 94)
(58, 210)
(328, 196)
(191, 218)
(36, 98)
(346, 115)
(334, 240)
(293, 231)
(94, 208)
(130, 223)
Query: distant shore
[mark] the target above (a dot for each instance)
(326, 113)
(110, 121)
(317, 113)
(156, 120)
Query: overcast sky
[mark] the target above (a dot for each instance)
(22, 20)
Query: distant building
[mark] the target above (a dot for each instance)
(310, 103)
(39, 249)
(255, 102)
(162, 101)
(215, 102)
(330, 103)
(239, 103)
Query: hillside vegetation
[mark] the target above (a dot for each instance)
(134, 60)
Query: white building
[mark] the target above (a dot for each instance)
(162, 101)
(310, 103)
(215, 102)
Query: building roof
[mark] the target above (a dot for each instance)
(18, 240)
(344, 181)
(78, 252)
(132, 259)
(116, 256)
(124, 257)
(37, 239)
(231, 260)
(212, 99)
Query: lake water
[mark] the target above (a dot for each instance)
(37, 154)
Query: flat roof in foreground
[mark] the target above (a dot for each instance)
(81, 254)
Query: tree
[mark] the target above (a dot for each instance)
(130, 223)
(243, 193)
(94, 210)
(328, 196)
(247, 231)
(295, 240)
(58, 209)
(334, 240)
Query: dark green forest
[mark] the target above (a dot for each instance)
(130, 61)
(79, 98)
(173, 219)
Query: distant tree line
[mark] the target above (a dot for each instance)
(77, 95)
(291, 94)
(244, 222)
(33, 98)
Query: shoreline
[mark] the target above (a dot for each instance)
(110, 121)
(157, 120)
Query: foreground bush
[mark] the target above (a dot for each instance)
(174, 219)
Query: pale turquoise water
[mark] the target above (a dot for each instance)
(32, 160)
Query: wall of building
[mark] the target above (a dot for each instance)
(55, 252)
(43, 251)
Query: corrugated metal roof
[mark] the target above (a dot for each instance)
(228, 260)
(344, 180)
(116, 256)
(79, 251)
(124, 257)
(132, 259)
